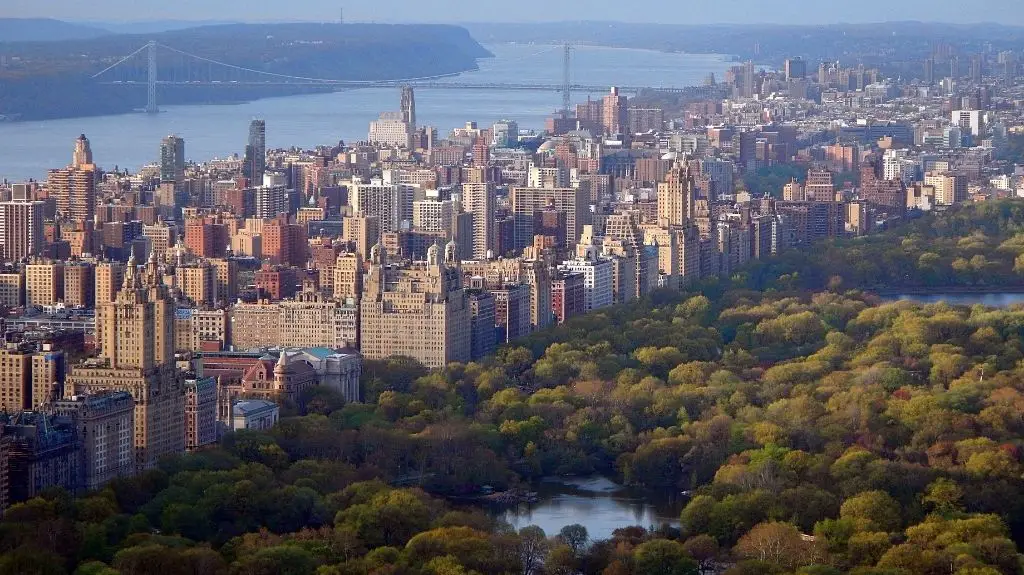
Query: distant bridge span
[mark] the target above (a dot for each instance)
(205, 72)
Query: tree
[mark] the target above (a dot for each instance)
(776, 543)
(943, 496)
(533, 547)
(95, 568)
(575, 536)
(280, 560)
(663, 557)
(872, 511)
(28, 560)
(704, 549)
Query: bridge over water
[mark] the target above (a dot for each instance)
(141, 68)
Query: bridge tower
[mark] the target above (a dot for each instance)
(151, 107)
(566, 78)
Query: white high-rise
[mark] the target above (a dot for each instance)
(478, 199)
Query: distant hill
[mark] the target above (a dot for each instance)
(155, 26)
(43, 80)
(879, 44)
(45, 30)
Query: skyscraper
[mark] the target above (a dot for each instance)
(74, 187)
(796, 68)
(977, 68)
(408, 108)
(135, 337)
(82, 157)
(256, 152)
(615, 112)
(676, 196)
(748, 80)
(172, 160)
(478, 200)
(21, 227)
(929, 71)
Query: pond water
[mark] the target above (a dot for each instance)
(597, 503)
(995, 299)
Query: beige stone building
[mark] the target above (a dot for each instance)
(676, 197)
(310, 320)
(79, 284)
(362, 231)
(44, 283)
(348, 277)
(109, 276)
(135, 337)
(420, 311)
(196, 282)
(12, 287)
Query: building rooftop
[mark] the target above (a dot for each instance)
(250, 406)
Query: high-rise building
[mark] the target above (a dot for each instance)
(796, 69)
(44, 283)
(79, 284)
(390, 129)
(380, 200)
(348, 277)
(420, 311)
(255, 164)
(929, 71)
(977, 69)
(74, 192)
(408, 107)
(950, 188)
(434, 215)
(819, 185)
(82, 156)
(109, 276)
(512, 312)
(43, 454)
(172, 160)
(568, 296)
(574, 202)
(479, 200)
(505, 134)
(21, 228)
(676, 197)
(161, 237)
(482, 332)
(615, 115)
(135, 337)
(104, 426)
(748, 88)
(200, 413)
(362, 231)
(597, 278)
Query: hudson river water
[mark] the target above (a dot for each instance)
(29, 149)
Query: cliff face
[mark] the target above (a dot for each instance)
(53, 79)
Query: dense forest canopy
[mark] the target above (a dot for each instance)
(815, 428)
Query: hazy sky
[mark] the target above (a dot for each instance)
(665, 11)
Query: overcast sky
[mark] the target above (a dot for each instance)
(664, 11)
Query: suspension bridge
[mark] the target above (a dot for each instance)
(155, 65)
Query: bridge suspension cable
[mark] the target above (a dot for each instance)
(121, 61)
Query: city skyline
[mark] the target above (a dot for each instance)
(462, 11)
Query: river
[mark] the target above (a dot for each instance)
(29, 149)
(597, 503)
